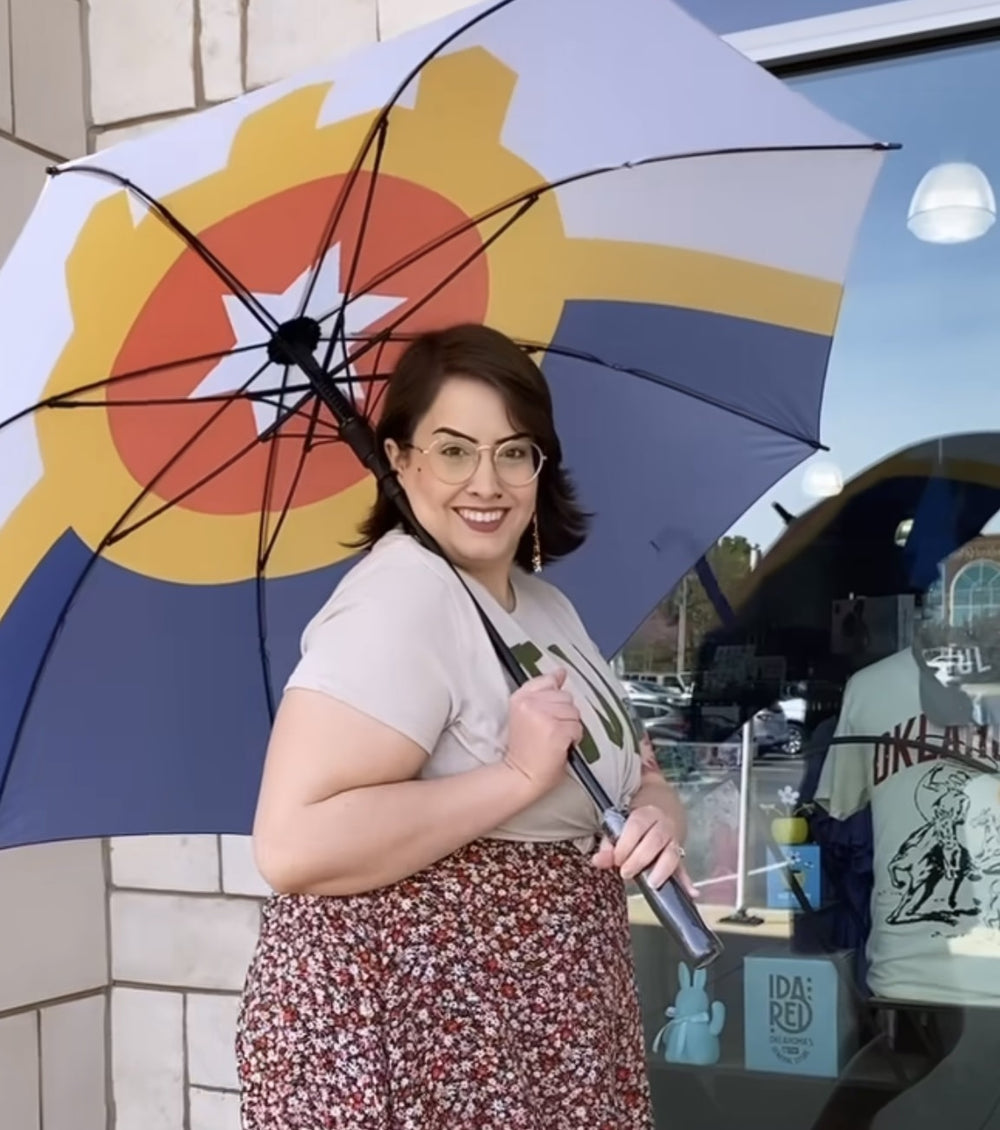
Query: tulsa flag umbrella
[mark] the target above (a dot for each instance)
(664, 225)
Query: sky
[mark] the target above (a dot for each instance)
(917, 348)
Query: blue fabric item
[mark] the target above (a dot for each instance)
(934, 534)
(846, 851)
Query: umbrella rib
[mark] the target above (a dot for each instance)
(265, 397)
(126, 531)
(379, 125)
(666, 382)
(266, 542)
(56, 400)
(380, 140)
(544, 188)
(257, 309)
(260, 594)
(377, 390)
(308, 437)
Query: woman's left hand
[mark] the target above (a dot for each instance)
(648, 839)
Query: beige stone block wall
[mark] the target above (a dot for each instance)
(184, 913)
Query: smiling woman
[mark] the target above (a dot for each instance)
(435, 859)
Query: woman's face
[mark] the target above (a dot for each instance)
(479, 522)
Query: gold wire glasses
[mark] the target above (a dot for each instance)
(454, 460)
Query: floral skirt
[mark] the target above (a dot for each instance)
(492, 991)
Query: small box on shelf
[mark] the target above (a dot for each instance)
(803, 860)
(797, 1014)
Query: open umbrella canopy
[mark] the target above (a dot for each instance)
(662, 223)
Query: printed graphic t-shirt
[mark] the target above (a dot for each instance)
(935, 932)
(401, 641)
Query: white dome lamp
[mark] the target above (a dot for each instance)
(953, 203)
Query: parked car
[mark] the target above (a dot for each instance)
(676, 686)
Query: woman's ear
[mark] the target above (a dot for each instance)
(394, 453)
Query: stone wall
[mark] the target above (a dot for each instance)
(183, 915)
(121, 962)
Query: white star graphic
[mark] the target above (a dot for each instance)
(234, 370)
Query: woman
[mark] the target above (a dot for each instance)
(448, 946)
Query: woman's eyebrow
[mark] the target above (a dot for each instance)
(472, 439)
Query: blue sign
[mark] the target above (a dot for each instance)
(803, 862)
(792, 1022)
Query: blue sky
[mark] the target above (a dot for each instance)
(917, 349)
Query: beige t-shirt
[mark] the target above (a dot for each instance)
(401, 640)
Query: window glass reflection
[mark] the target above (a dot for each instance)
(829, 707)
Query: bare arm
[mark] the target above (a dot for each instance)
(341, 815)
(336, 823)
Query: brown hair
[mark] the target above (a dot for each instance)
(489, 356)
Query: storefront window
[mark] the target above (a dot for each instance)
(834, 724)
(975, 592)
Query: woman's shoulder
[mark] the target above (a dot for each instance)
(397, 579)
(398, 559)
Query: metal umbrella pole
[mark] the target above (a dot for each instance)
(671, 904)
(740, 915)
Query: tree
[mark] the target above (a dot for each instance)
(655, 644)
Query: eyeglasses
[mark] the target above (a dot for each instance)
(454, 461)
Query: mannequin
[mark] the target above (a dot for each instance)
(935, 932)
(914, 744)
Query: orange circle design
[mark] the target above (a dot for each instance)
(267, 246)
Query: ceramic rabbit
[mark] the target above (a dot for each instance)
(693, 1025)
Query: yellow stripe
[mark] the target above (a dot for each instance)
(698, 280)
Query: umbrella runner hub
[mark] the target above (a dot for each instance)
(292, 338)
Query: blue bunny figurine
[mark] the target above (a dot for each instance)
(693, 1027)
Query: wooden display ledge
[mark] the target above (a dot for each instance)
(776, 924)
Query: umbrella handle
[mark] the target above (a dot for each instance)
(673, 906)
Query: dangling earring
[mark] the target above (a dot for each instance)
(536, 547)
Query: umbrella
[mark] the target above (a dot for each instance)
(661, 222)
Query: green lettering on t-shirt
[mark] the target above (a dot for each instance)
(610, 720)
(528, 655)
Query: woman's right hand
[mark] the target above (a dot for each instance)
(543, 722)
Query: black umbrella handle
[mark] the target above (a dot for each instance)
(671, 904)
